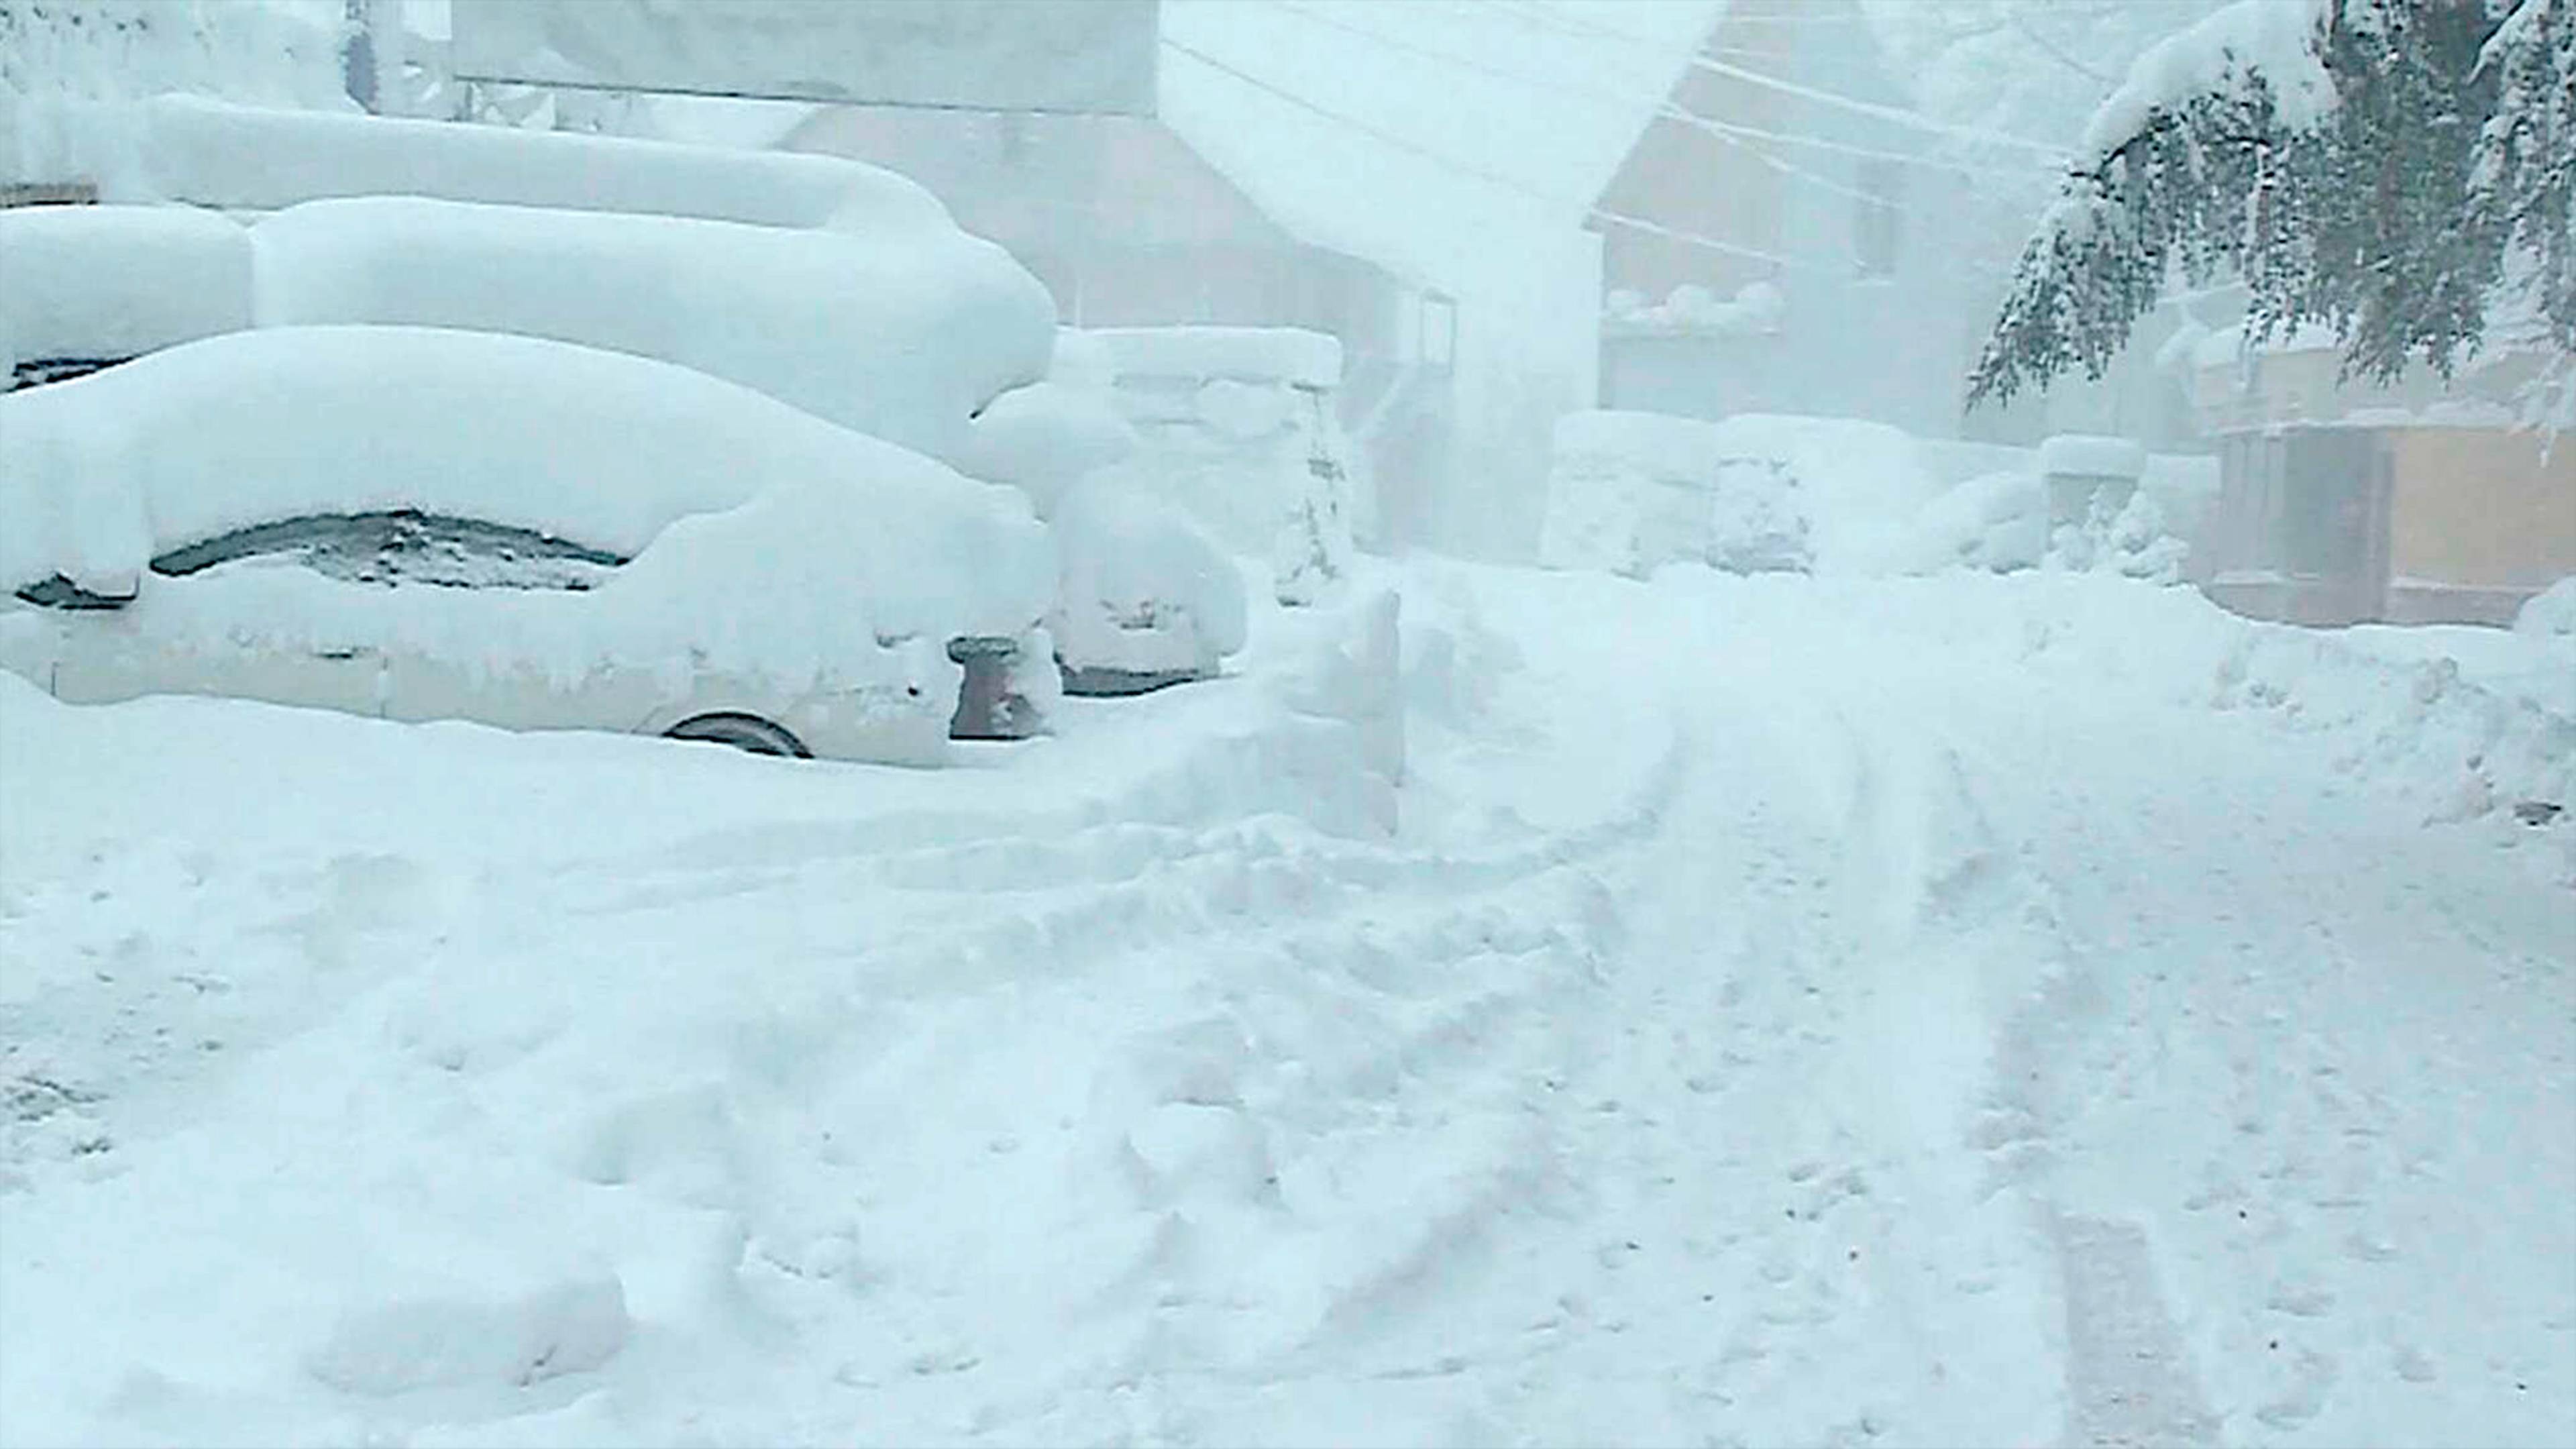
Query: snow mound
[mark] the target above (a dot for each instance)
(1144, 596)
(188, 148)
(900, 332)
(609, 450)
(564, 1328)
(102, 283)
(2550, 615)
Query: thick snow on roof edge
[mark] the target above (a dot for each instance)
(190, 148)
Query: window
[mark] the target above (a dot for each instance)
(403, 546)
(1875, 219)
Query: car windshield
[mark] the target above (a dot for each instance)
(402, 547)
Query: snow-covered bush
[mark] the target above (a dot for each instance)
(902, 331)
(2130, 540)
(104, 283)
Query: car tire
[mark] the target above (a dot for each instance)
(747, 732)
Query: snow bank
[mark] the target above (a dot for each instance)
(1143, 597)
(96, 283)
(900, 332)
(1236, 428)
(2270, 38)
(188, 148)
(2550, 615)
(450, 1343)
(608, 450)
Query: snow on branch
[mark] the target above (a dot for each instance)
(2380, 168)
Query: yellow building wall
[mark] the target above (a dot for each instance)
(2482, 507)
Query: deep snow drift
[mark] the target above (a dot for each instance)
(1546, 1008)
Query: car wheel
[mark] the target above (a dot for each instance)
(742, 731)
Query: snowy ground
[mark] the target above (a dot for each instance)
(1952, 1011)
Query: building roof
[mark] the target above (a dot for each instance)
(1125, 179)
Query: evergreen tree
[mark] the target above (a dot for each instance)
(2398, 170)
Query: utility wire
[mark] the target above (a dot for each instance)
(1733, 133)
(1893, 115)
(1666, 109)
(1489, 176)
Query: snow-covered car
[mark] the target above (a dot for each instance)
(422, 524)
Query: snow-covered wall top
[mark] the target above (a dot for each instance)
(1270, 354)
(901, 331)
(2090, 456)
(188, 148)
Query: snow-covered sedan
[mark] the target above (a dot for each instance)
(422, 524)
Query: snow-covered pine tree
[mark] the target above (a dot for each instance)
(2384, 168)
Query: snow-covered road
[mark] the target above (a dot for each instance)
(1786, 1012)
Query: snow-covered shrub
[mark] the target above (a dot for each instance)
(2130, 540)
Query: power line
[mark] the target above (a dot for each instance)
(1487, 175)
(1733, 133)
(1893, 115)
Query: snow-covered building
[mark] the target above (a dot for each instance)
(1128, 226)
(1788, 233)
(2419, 501)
